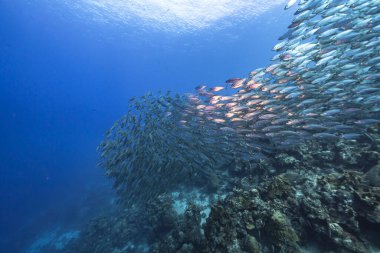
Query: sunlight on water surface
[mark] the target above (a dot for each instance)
(176, 15)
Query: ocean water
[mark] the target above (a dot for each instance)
(66, 75)
(68, 70)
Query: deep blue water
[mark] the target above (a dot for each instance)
(64, 80)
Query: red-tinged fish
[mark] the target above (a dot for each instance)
(219, 120)
(210, 108)
(251, 115)
(238, 84)
(286, 57)
(253, 73)
(226, 98)
(256, 85)
(250, 87)
(233, 80)
(215, 99)
(236, 119)
(254, 102)
(266, 102)
(230, 105)
(269, 69)
(245, 96)
(217, 88)
(239, 108)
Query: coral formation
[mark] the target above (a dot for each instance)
(328, 205)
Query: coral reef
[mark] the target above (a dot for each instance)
(330, 210)
(316, 197)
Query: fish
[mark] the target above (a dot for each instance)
(280, 45)
(325, 136)
(233, 80)
(217, 88)
(321, 86)
(290, 4)
(237, 84)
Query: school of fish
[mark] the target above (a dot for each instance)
(324, 84)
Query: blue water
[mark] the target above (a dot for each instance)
(65, 78)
